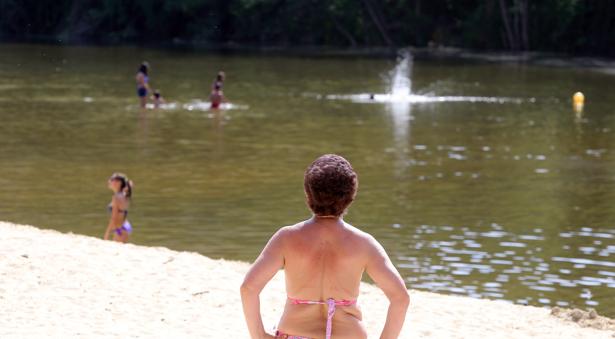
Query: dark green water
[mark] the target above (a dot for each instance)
(510, 200)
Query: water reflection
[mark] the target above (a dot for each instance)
(505, 264)
(401, 111)
(143, 129)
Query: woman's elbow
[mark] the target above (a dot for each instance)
(247, 289)
(402, 299)
(406, 298)
(244, 288)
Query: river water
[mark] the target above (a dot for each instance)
(479, 179)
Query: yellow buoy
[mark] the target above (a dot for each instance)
(578, 101)
(578, 98)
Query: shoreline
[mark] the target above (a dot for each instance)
(66, 285)
(438, 53)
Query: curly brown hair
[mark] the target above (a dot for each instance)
(330, 185)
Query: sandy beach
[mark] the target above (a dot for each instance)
(66, 286)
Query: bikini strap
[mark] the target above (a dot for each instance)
(330, 312)
(342, 302)
(331, 304)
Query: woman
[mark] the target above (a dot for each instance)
(324, 259)
(118, 223)
(142, 83)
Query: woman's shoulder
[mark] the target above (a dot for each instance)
(119, 199)
(290, 229)
(360, 238)
(290, 232)
(357, 232)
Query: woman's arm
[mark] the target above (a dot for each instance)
(116, 218)
(268, 263)
(385, 275)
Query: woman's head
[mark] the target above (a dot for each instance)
(330, 185)
(144, 67)
(220, 76)
(119, 183)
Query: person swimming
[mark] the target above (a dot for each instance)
(142, 79)
(216, 97)
(118, 208)
(324, 259)
(158, 99)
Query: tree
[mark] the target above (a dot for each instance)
(515, 21)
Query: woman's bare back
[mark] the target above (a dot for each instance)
(323, 258)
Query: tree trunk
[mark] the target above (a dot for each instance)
(343, 31)
(512, 42)
(516, 20)
(75, 23)
(525, 39)
(378, 22)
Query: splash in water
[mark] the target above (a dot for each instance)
(193, 105)
(401, 85)
(398, 99)
(400, 90)
(200, 105)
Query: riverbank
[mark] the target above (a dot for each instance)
(440, 53)
(66, 285)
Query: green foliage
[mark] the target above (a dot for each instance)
(574, 26)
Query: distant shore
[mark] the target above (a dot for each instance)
(445, 53)
(66, 286)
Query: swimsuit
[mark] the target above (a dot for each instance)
(280, 335)
(126, 226)
(331, 304)
(216, 98)
(142, 91)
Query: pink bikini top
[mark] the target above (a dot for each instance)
(331, 304)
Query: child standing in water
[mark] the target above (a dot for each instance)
(216, 97)
(158, 99)
(118, 223)
(142, 83)
(219, 81)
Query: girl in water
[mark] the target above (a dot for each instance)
(158, 99)
(324, 259)
(118, 223)
(216, 97)
(142, 83)
(219, 81)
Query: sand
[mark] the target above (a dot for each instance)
(72, 286)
